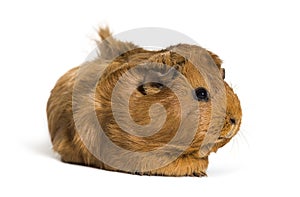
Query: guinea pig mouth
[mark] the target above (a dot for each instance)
(221, 140)
(233, 130)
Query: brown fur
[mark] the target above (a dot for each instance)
(68, 142)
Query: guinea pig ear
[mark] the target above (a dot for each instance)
(111, 48)
(150, 88)
(157, 76)
(216, 59)
(223, 72)
(218, 62)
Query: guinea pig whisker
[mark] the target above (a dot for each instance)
(243, 137)
(234, 145)
(235, 86)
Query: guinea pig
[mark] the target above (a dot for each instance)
(143, 111)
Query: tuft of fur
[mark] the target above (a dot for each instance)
(117, 58)
(110, 47)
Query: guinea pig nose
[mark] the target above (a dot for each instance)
(232, 121)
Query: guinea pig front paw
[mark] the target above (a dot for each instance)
(142, 173)
(198, 174)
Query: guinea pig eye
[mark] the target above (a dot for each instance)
(201, 94)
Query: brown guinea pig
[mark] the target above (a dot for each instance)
(143, 112)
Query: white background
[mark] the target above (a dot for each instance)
(258, 41)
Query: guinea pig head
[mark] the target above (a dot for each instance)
(175, 98)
